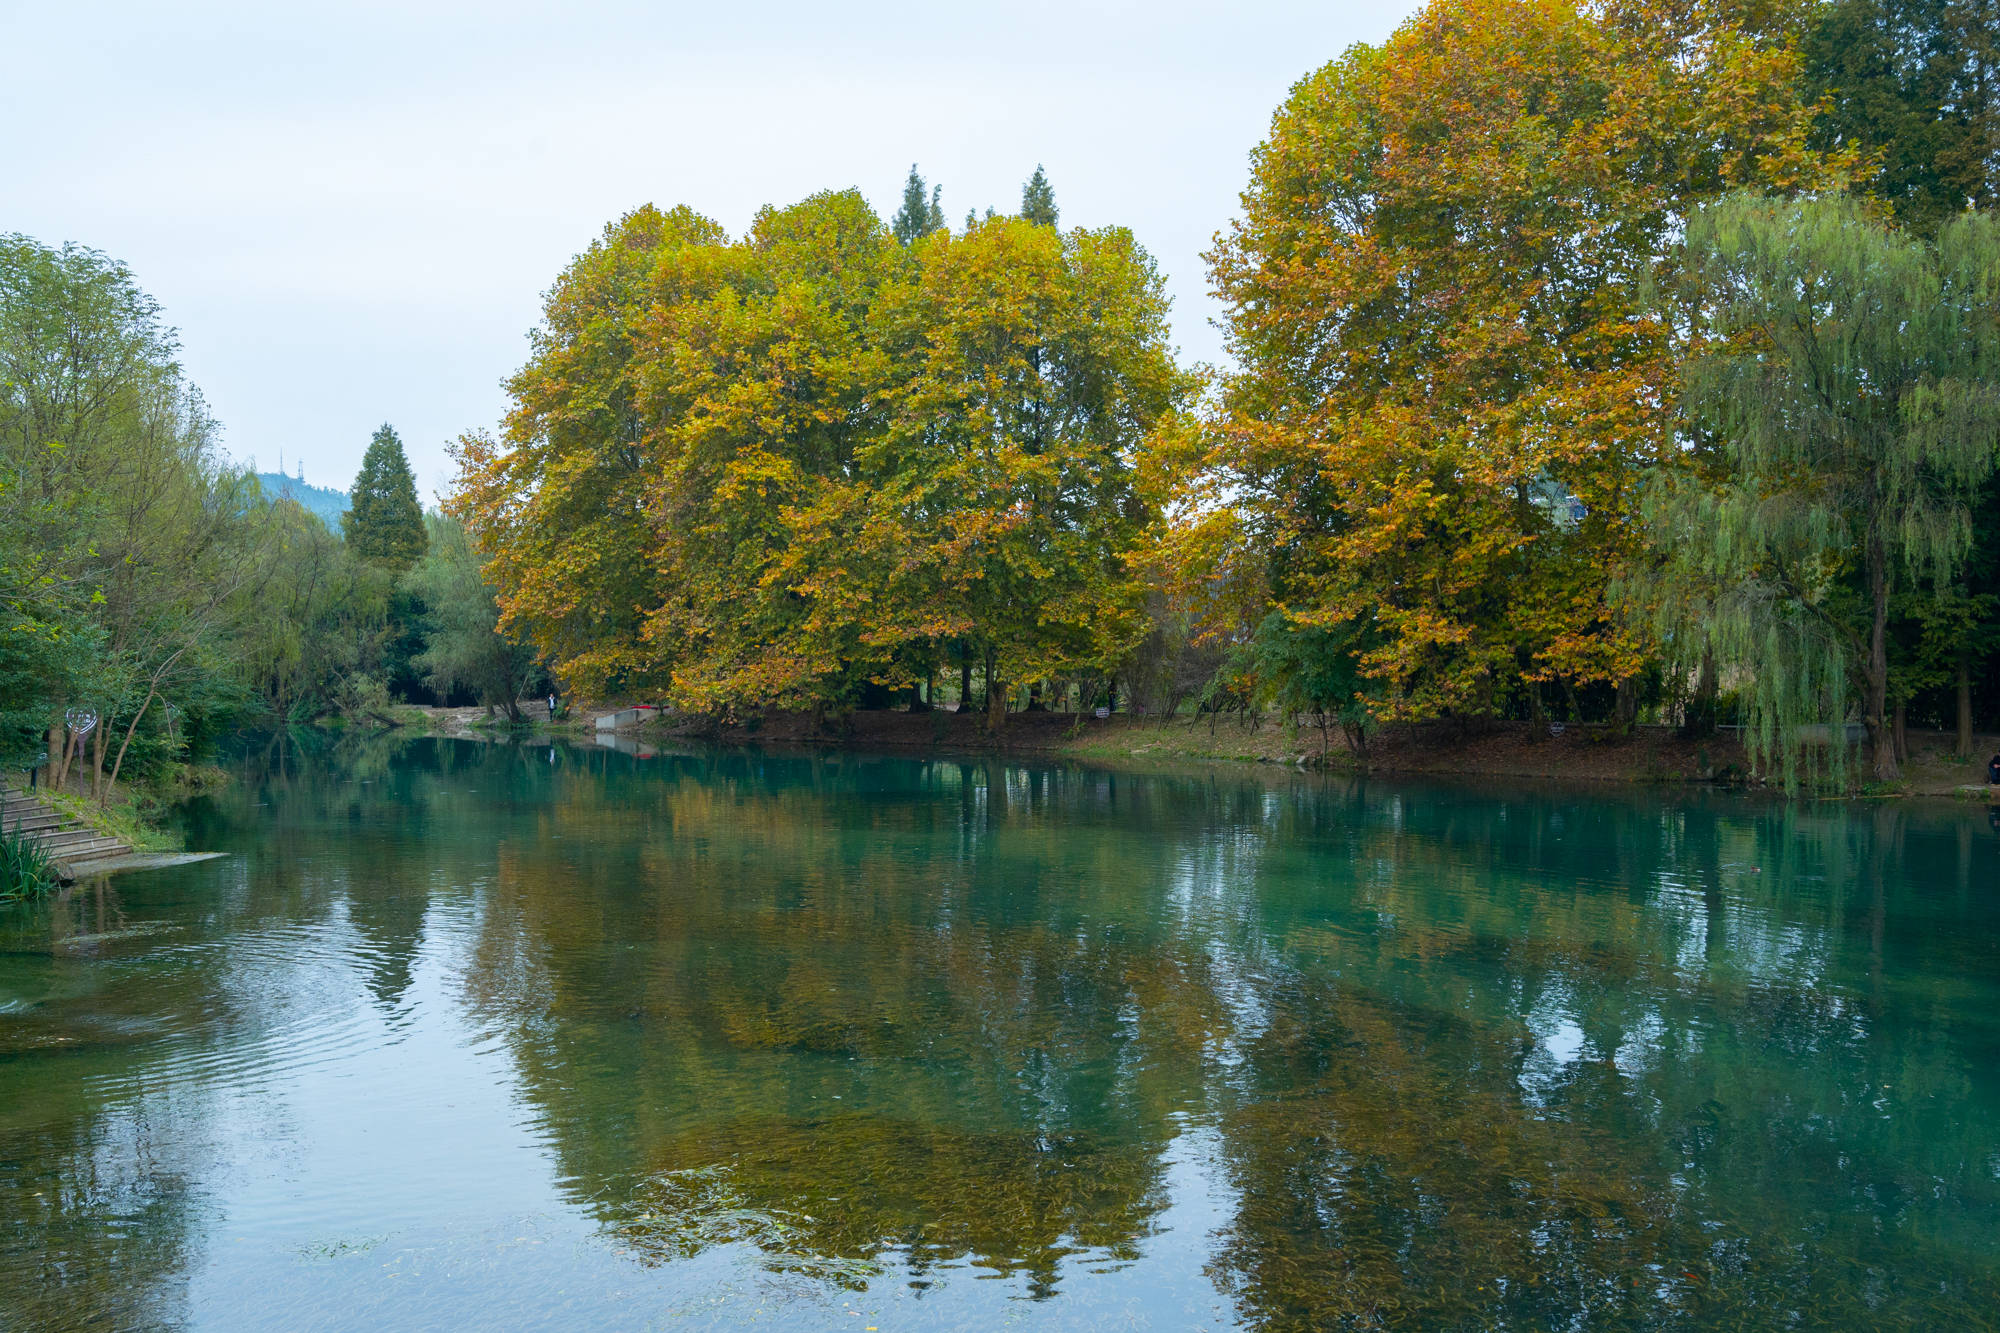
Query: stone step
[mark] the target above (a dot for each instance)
(94, 849)
(84, 859)
(69, 843)
(65, 838)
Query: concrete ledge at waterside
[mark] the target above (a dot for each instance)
(111, 865)
(625, 717)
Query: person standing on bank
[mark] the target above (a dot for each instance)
(1993, 770)
(552, 705)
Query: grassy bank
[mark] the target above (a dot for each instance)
(1648, 755)
(132, 818)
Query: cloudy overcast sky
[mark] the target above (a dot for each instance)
(350, 210)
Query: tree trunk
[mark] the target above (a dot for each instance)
(1699, 719)
(1113, 696)
(1902, 732)
(1875, 707)
(1964, 705)
(118, 764)
(152, 693)
(1628, 705)
(996, 701)
(1575, 704)
(965, 682)
(97, 759)
(58, 735)
(1538, 713)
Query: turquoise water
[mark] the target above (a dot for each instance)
(469, 1036)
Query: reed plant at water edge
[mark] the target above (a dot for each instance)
(25, 869)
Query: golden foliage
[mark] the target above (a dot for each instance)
(1451, 377)
(772, 471)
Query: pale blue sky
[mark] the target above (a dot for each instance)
(350, 211)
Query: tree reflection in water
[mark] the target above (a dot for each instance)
(1451, 1057)
(1023, 985)
(834, 1196)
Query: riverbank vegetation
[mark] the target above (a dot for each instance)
(1590, 364)
(156, 598)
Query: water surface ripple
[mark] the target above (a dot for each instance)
(466, 1035)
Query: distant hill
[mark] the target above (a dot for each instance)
(328, 503)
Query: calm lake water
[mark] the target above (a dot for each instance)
(494, 1037)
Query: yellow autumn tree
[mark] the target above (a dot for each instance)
(1005, 508)
(764, 384)
(798, 468)
(1450, 379)
(560, 504)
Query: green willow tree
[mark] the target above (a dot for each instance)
(385, 524)
(1914, 85)
(322, 615)
(1845, 392)
(129, 544)
(81, 348)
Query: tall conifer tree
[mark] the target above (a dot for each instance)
(385, 524)
(920, 214)
(1038, 200)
